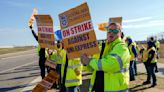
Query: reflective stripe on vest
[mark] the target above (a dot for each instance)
(120, 63)
(70, 81)
(74, 66)
(118, 59)
(125, 90)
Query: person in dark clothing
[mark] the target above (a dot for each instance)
(150, 64)
(154, 41)
(42, 57)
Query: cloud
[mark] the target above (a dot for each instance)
(137, 19)
(145, 22)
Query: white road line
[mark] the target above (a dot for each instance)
(32, 84)
(36, 80)
(15, 56)
(17, 67)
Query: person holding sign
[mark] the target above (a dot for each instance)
(71, 72)
(114, 63)
(52, 64)
(41, 53)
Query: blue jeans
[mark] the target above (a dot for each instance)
(135, 67)
(131, 70)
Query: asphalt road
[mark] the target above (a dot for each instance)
(17, 70)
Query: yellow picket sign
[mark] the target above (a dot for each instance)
(102, 26)
(116, 20)
(77, 32)
(46, 37)
(47, 82)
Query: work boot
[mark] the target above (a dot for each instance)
(153, 85)
(146, 82)
(132, 79)
(156, 71)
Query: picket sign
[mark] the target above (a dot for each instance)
(50, 64)
(47, 82)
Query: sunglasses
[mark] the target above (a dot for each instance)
(114, 31)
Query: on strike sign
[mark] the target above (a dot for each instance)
(46, 37)
(77, 32)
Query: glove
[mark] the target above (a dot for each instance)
(30, 27)
(84, 59)
(77, 71)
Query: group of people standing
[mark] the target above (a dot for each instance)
(110, 68)
(148, 56)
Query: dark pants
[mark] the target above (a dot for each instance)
(151, 70)
(73, 89)
(156, 67)
(58, 69)
(147, 71)
(135, 67)
(42, 66)
(131, 70)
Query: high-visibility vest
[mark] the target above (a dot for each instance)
(38, 49)
(131, 52)
(115, 64)
(155, 55)
(71, 78)
(157, 43)
(145, 55)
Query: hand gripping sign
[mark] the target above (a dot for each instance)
(32, 19)
(77, 32)
(47, 82)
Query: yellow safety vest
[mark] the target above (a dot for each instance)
(131, 52)
(157, 43)
(115, 64)
(146, 55)
(71, 78)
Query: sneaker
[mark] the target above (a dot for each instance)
(146, 82)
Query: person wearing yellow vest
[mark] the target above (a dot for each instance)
(114, 63)
(136, 58)
(157, 46)
(71, 73)
(150, 63)
(53, 57)
(133, 53)
(144, 57)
